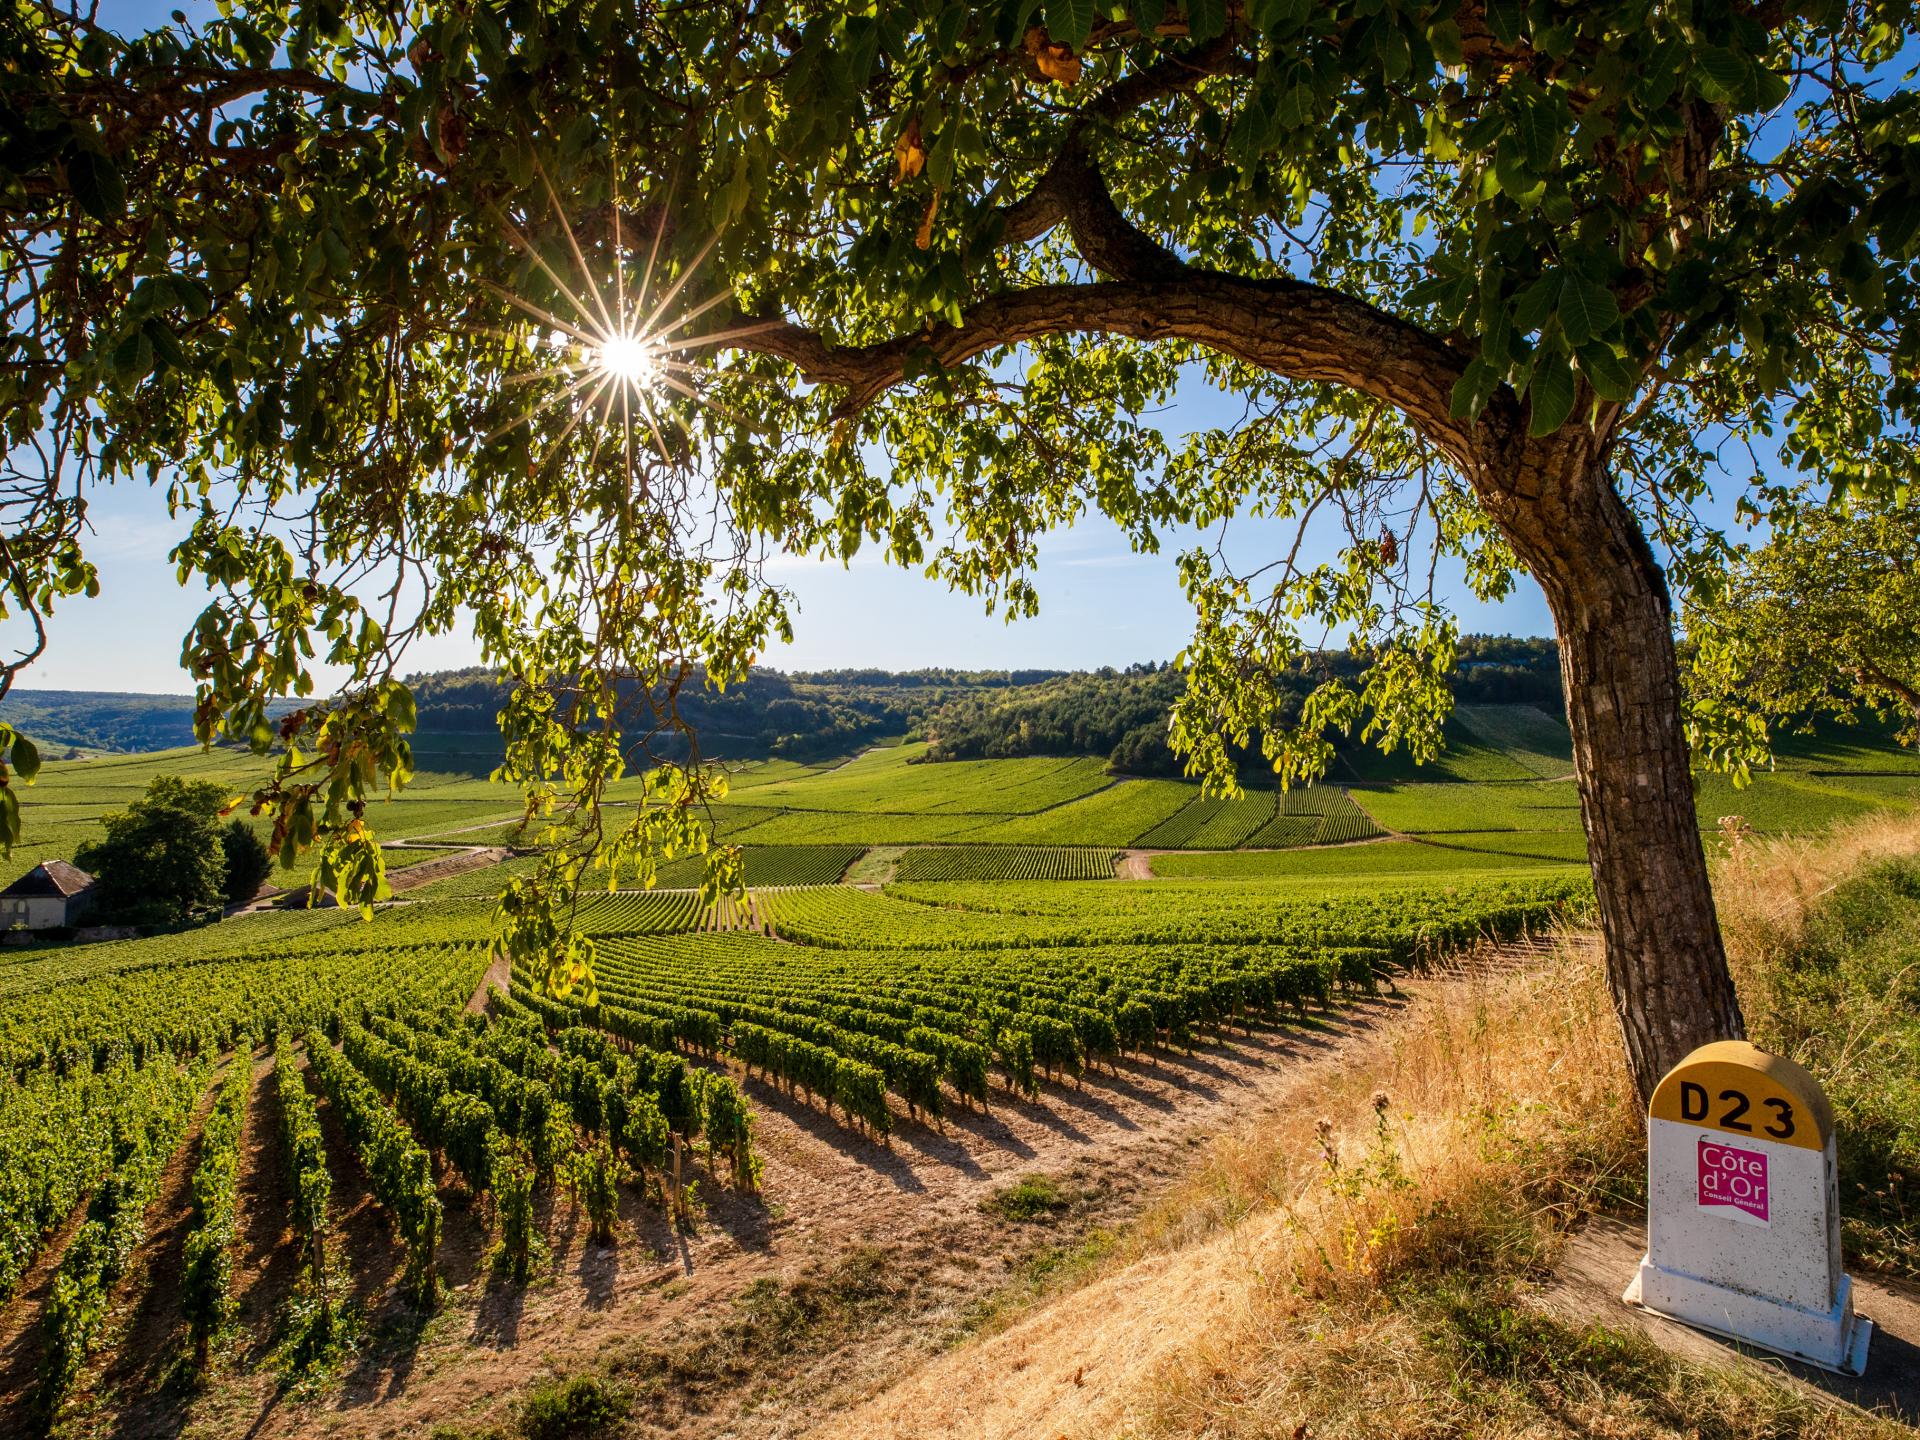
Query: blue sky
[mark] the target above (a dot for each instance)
(1100, 603)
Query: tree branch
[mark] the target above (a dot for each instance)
(1047, 204)
(1291, 328)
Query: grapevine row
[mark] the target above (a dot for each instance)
(207, 1271)
(400, 1171)
(308, 1177)
(1006, 862)
(97, 1255)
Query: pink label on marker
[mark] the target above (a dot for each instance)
(1735, 1179)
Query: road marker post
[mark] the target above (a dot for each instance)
(1743, 1209)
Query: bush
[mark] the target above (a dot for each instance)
(248, 863)
(1031, 1197)
(578, 1406)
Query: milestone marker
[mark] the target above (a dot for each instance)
(1743, 1208)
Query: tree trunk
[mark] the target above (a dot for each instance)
(1666, 968)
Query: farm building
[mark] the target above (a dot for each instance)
(51, 894)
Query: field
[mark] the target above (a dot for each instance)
(1005, 862)
(1505, 770)
(937, 973)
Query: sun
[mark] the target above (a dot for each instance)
(629, 359)
(620, 352)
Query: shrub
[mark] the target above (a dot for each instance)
(248, 863)
(578, 1406)
(1031, 1197)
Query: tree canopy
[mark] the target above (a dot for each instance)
(163, 858)
(1821, 619)
(559, 320)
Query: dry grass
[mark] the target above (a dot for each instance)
(1510, 1077)
(1397, 1233)
(1363, 1265)
(1408, 1222)
(1766, 889)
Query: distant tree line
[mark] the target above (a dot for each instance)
(1122, 714)
(801, 716)
(812, 714)
(62, 721)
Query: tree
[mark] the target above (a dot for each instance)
(564, 319)
(1824, 618)
(247, 862)
(161, 859)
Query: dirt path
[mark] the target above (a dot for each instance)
(412, 877)
(458, 861)
(1112, 1143)
(499, 977)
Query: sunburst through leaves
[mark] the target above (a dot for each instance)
(621, 347)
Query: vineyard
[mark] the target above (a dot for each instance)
(1005, 862)
(414, 1118)
(954, 991)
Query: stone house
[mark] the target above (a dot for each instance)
(50, 895)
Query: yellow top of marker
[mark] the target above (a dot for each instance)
(1741, 1090)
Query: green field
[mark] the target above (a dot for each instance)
(1505, 770)
(1386, 858)
(1005, 862)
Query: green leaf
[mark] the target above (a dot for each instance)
(1473, 389)
(97, 184)
(1586, 310)
(1149, 15)
(1396, 54)
(1206, 19)
(25, 756)
(1280, 17)
(1723, 74)
(1504, 18)
(1538, 130)
(1610, 379)
(1536, 303)
(1070, 22)
(1297, 107)
(1550, 394)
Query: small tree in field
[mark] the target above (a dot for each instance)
(247, 860)
(572, 316)
(161, 859)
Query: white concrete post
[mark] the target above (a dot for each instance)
(1743, 1208)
